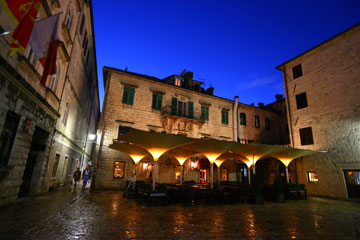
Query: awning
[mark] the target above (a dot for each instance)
(136, 153)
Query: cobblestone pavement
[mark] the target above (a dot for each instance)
(106, 215)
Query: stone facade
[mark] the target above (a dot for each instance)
(140, 114)
(41, 132)
(330, 80)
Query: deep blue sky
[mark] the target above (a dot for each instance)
(234, 45)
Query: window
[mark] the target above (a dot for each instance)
(301, 101)
(297, 71)
(181, 108)
(119, 169)
(66, 113)
(242, 119)
(156, 101)
(56, 165)
(352, 177)
(225, 116)
(257, 121)
(306, 136)
(312, 177)
(8, 136)
(242, 141)
(122, 130)
(84, 40)
(267, 123)
(54, 78)
(190, 110)
(128, 95)
(29, 54)
(205, 112)
(82, 24)
(68, 20)
(178, 82)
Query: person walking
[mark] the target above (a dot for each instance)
(76, 176)
(86, 176)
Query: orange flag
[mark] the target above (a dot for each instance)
(23, 13)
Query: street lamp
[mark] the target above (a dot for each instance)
(92, 137)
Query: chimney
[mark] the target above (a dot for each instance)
(261, 105)
(210, 91)
(279, 97)
(188, 79)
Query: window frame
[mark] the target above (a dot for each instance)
(243, 118)
(156, 101)
(128, 98)
(124, 168)
(312, 179)
(257, 121)
(297, 71)
(225, 116)
(304, 139)
(205, 112)
(301, 100)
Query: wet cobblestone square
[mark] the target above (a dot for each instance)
(107, 215)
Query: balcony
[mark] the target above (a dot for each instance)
(182, 113)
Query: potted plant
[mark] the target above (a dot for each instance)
(278, 190)
(256, 189)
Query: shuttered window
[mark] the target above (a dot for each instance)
(205, 112)
(225, 116)
(174, 106)
(257, 121)
(156, 101)
(128, 95)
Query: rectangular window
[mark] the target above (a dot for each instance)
(157, 101)
(122, 130)
(267, 123)
(181, 109)
(178, 82)
(312, 177)
(225, 116)
(56, 165)
(8, 136)
(174, 106)
(84, 40)
(242, 141)
(306, 136)
(301, 101)
(82, 24)
(119, 169)
(128, 95)
(205, 112)
(257, 121)
(242, 119)
(297, 71)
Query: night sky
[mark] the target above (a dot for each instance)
(233, 46)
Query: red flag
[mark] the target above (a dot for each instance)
(23, 13)
(43, 42)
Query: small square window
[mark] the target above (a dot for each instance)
(306, 136)
(312, 177)
(297, 71)
(301, 101)
(119, 169)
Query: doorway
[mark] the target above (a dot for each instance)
(352, 178)
(32, 172)
(203, 176)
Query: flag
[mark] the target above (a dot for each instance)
(23, 13)
(43, 42)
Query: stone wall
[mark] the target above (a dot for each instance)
(331, 74)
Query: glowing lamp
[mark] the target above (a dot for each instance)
(212, 157)
(181, 160)
(156, 153)
(219, 162)
(137, 158)
(92, 137)
(285, 161)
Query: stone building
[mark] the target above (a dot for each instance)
(44, 129)
(322, 87)
(174, 105)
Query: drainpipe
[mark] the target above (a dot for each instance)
(235, 121)
(289, 116)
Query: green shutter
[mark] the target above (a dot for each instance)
(128, 95)
(204, 112)
(190, 110)
(154, 98)
(159, 102)
(174, 106)
(125, 96)
(131, 96)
